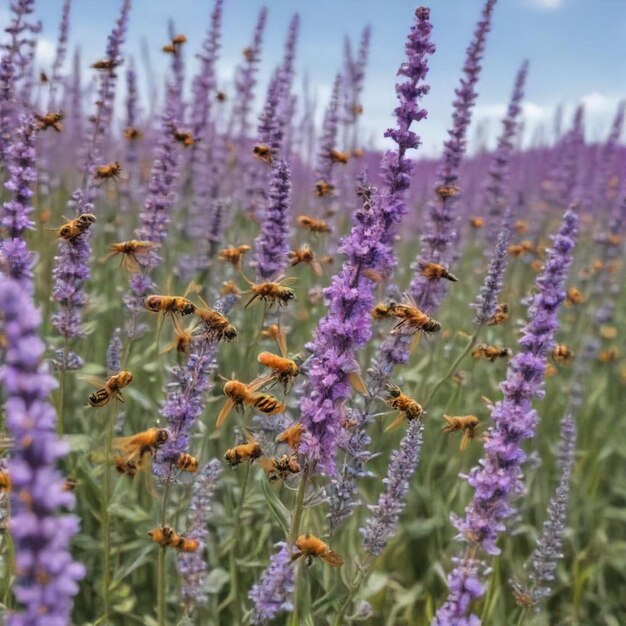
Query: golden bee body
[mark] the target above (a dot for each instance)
(435, 271)
(292, 436)
(239, 393)
(310, 547)
(76, 227)
(562, 354)
(185, 137)
(338, 157)
(243, 452)
(491, 353)
(407, 407)
(468, 424)
(414, 320)
(477, 222)
(130, 251)
(51, 119)
(323, 189)
(216, 325)
(5, 481)
(169, 304)
(312, 224)
(187, 463)
(263, 153)
(135, 452)
(271, 292)
(500, 316)
(132, 134)
(281, 467)
(166, 537)
(106, 65)
(285, 370)
(107, 171)
(305, 255)
(112, 389)
(233, 255)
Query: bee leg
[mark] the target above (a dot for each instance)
(254, 297)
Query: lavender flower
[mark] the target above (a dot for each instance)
(61, 52)
(355, 75)
(383, 521)
(606, 161)
(193, 566)
(46, 574)
(272, 245)
(465, 586)
(328, 141)
(271, 595)
(114, 353)
(499, 475)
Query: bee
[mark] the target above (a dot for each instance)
(304, 254)
(383, 310)
(574, 297)
(108, 170)
(338, 157)
(166, 537)
(5, 481)
(73, 228)
(249, 451)
(608, 355)
(136, 451)
(112, 389)
(280, 468)
(130, 250)
(477, 222)
(182, 340)
(263, 153)
(500, 316)
(50, 120)
(415, 320)
(43, 78)
(357, 108)
(132, 134)
(358, 153)
(70, 484)
(518, 249)
(221, 96)
(309, 547)
(275, 332)
(562, 354)
(466, 423)
(169, 48)
(537, 265)
(216, 326)
(233, 255)
(608, 332)
(434, 271)
(292, 436)
(179, 40)
(187, 463)
(447, 191)
(248, 54)
(491, 353)
(285, 370)
(239, 393)
(406, 406)
(272, 292)
(315, 226)
(323, 189)
(105, 65)
(549, 371)
(169, 304)
(185, 137)
(229, 288)
(521, 227)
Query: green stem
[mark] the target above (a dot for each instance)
(161, 586)
(62, 389)
(356, 585)
(522, 617)
(106, 500)
(299, 507)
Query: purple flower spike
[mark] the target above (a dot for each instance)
(46, 575)
(61, 52)
(272, 594)
(498, 477)
(328, 141)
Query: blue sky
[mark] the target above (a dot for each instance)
(576, 48)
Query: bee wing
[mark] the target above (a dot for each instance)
(317, 267)
(464, 441)
(267, 463)
(94, 381)
(260, 382)
(281, 342)
(130, 263)
(332, 558)
(229, 405)
(396, 422)
(358, 384)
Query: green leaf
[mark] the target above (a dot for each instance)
(277, 508)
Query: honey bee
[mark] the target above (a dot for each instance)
(280, 468)
(292, 436)
(271, 292)
(169, 48)
(107, 171)
(249, 451)
(5, 481)
(130, 250)
(166, 537)
(43, 78)
(304, 254)
(233, 255)
(309, 547)
(434, 271)
(275, 332)
(466, 423)
(169, 305)
(518, 249)
(500, 316)
(182, 340)
(221, 96)
(315, 226)
(112, 389)
(537, 265)
(412, 318)
(248, 54)
(185, 137)
(136, 451)
(187, 463)
(179, 40)
(263, 153)
(338, 157)
(323, 189)
(477, 222)
(447, 191)
(105, 65)
(216, 326)
(73, 228)
(357, 108)
(70, 485)
(608, 332)
(521, 227)
(491, 353)
(51, 119)
(383, 310)
(229, 288)
(608, 355)
(562, 354)
(239, 393)
(285, 370)
(574, 297)
(132, 134)
(406, 406)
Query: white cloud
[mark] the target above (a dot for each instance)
(546, 5)
(45, 51)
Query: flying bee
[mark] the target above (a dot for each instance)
(562, 354)
(284, 370)
(185, 137)
(166, 537)
(406, 406)
(105, 65)
(220, 96)
(73, 228)
(292, 436)
(537, 265)
(233, 255)
(312, 224)
(323, 189)
(468, 424)
(574, 297)
(280, 468)
(304, 254)
(521, 227)
(249, 451)
(271, 291)
(182, 339)
(70, 484)
(5, 481)
(477, 222)
(169, 48)
(130, 250)
(215, 325)
(248, 54)
(137, 451)
(169, 305)
(238, 394)
(187, 463)
(179, 40)
(51, 119)
(111, 389)
(229, 288)
(309, 547)
(357, 108)
(383, 310)
(500, 316)
(43, 78)
(132, 134)
(415, 320)
(491, 353)
(107, 171)
(338, 157)
(608, 355)
(518, 249)
(434, 271)
(275, 332)
(263, 153)
(447, 191)
(608, 332)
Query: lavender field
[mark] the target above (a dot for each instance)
(262, 362)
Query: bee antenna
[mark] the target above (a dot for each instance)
(245, 277)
